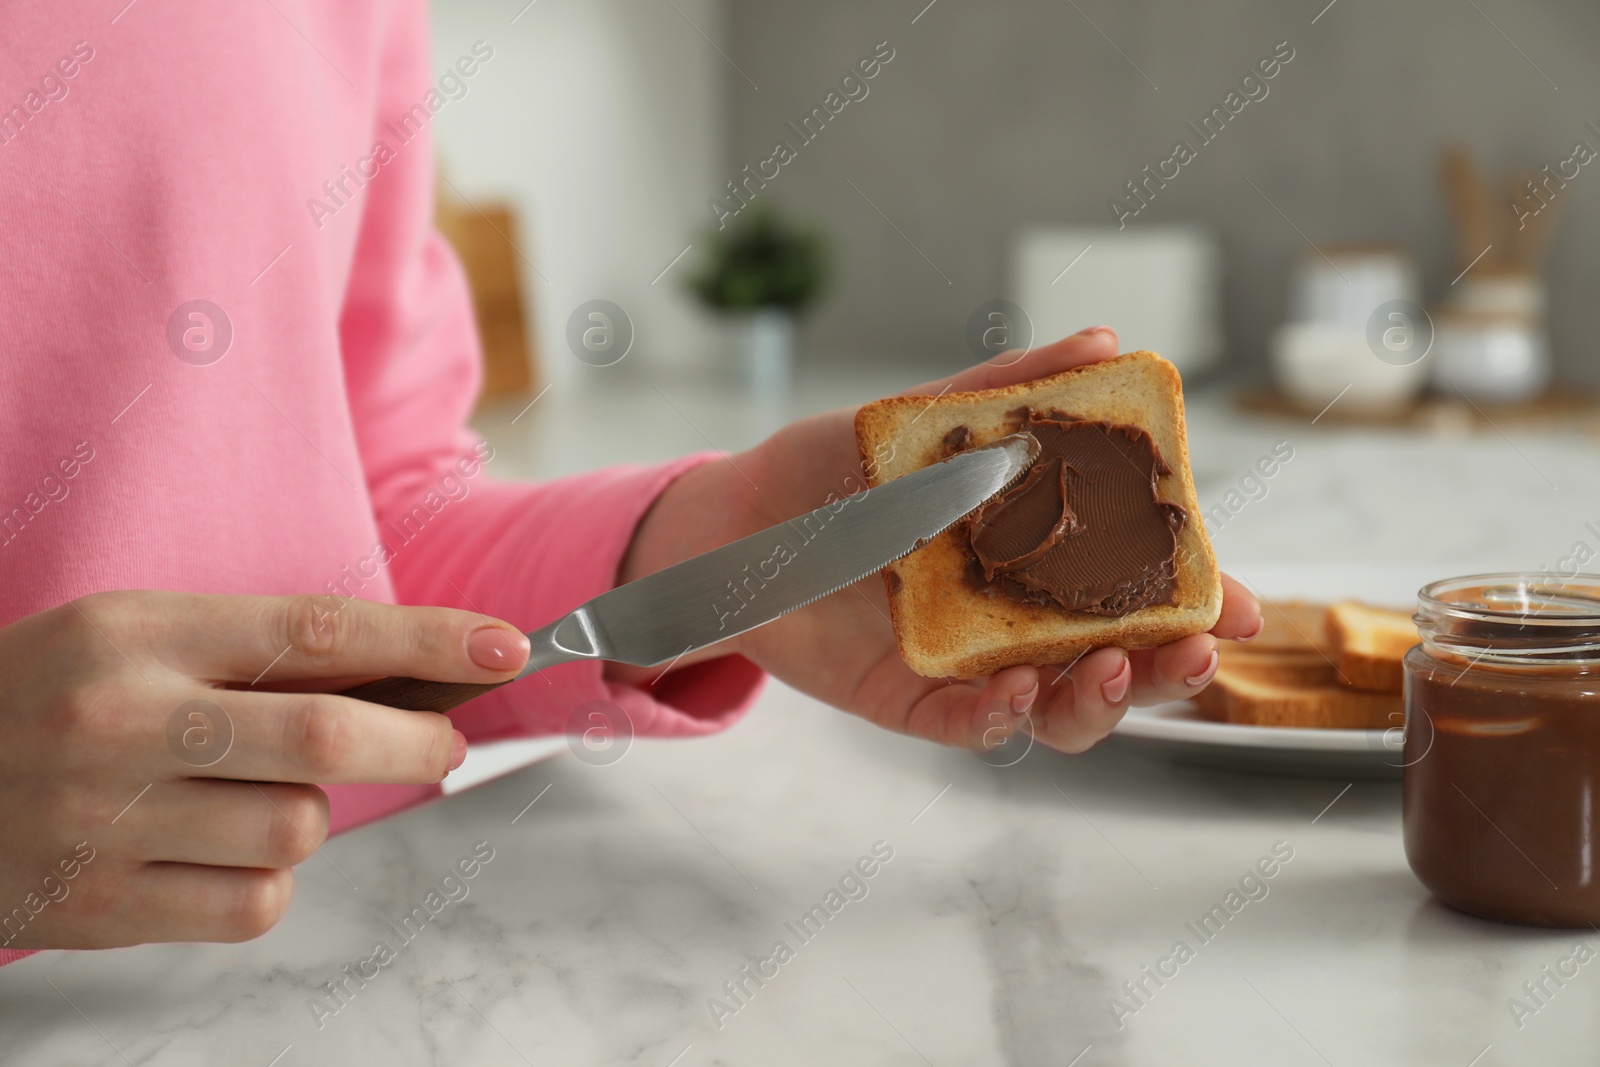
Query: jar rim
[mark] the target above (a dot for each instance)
(1513, 617)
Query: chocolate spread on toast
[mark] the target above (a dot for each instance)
(1084, 529)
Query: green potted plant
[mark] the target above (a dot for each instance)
(763, 271)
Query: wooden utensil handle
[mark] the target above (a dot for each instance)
(414, 694)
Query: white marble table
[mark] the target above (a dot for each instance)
(1017, 903)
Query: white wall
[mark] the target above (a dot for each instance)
(602, 121)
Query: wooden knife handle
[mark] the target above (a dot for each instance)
(414, 694)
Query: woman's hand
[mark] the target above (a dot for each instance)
(842, 649)
(145, 800)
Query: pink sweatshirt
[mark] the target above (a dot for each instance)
(273, 160)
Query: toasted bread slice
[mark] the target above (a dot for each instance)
(1370, 644)
(1293, 689)
(947, 626)
(1307, 668)
(1291, 625)
(1293, 668)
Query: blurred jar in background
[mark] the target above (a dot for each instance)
(1326, 351)
(1491, 344)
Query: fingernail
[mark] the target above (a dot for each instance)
(1095, 329)
(1023, 701)
(1116, 690)
(1197, 680)
(1261, 624)
(458, 752)
(495, 648)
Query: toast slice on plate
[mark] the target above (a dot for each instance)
(1370, 644)
(1295, 688)
(1291, 626)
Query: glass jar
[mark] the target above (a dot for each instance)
(1502, 748)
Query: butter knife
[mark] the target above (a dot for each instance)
(740, 586)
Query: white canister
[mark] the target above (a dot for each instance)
(1316, 363)
(1342, 284)
(1497, 359)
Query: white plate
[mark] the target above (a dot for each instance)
(1177, 730)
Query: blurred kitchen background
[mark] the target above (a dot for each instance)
(1391, 213)
(1379, 255)
(609, 125)
(1386, 210)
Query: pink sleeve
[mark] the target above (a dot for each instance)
(529, 554)
(522, 552)
(526, 553)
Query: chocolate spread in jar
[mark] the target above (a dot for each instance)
(1502, 787)
(1502, 746)
(1084, 529)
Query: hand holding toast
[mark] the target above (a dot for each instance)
(842, 649)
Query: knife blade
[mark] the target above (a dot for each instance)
(754, 580)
